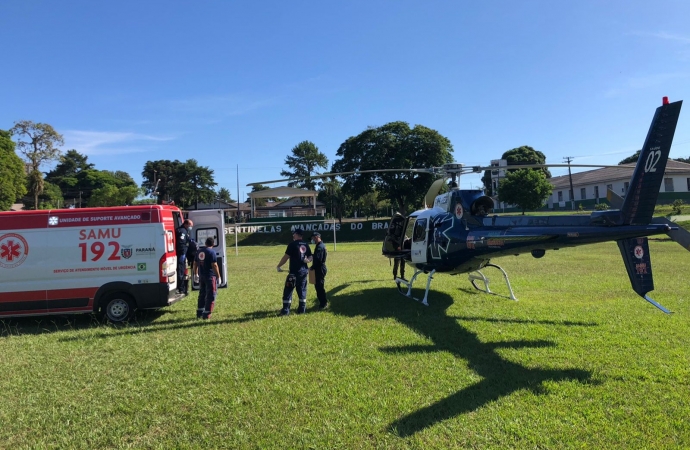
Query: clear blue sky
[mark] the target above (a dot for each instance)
(240, 83)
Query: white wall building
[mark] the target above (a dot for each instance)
(590, 186)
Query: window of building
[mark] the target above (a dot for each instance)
(626, 186)
(583, 194)
(668, 184)
(596, 191)
(688, 181)
(609, 186)
(560, 193)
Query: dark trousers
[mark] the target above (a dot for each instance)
(207, 297)
(295, 281)
(182, 283)
(398, 262)
(320, 285)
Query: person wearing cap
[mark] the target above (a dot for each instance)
(299, 254)
(319, 268)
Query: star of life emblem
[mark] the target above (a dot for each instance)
(458, 211)
(52, 220)
(13, 250)
(639, 252)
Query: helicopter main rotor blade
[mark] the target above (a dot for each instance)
(339, 174)
(474, 169)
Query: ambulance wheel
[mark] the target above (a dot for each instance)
(118, 307)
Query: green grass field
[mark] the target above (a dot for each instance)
(580, 361)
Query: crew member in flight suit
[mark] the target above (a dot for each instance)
(299, 254)
(182, 237)
(206, 269)
(319, 268)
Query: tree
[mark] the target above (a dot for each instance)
(631, 159)
(12, 173)
(184, 183)
(260, 201)
(526, 188)
(112, 195)
(41, 147)
(71, 174)
(50, 197)
(683, 160)
(305, 158)
(224, 195)
(160, 178)
(195, 184)
(517, 156)
(78, 179)
(394, 145)
(330, 193)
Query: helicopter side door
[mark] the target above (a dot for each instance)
(420, 235)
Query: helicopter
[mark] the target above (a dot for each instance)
(457, 233)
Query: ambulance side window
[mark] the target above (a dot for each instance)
(204, 233)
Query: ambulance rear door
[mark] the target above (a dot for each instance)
(211, 223)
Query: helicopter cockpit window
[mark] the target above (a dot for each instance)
(419, 230)
(409, 230)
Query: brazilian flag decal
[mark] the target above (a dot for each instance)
(141, 267)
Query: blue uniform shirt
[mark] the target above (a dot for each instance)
(205, 258)
(297, 251)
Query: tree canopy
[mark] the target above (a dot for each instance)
(393, 145)
(79, 182)
(517, 156)
(38, 142)
(260, 201)
(12, 173)
(185, 183)
(224, 195)
(305, 159)
(631, 159)
(526, 188)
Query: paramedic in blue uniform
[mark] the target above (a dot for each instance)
(190, 256)
(319, 268)
(299, 254)
(206, 269)
(182, 237)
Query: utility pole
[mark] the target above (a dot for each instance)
(569, 159)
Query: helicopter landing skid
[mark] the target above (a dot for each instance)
(477, 275)
(408, 292)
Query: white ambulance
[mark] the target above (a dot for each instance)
(103, 260)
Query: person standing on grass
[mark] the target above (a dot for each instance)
(205, 268)
(319, 268)
(182, 237)
(190, 257)
(299, 254)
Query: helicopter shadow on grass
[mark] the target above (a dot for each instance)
(500, 377)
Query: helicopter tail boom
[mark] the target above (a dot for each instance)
(640, 201)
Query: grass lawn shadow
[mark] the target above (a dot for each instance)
(500, 377)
